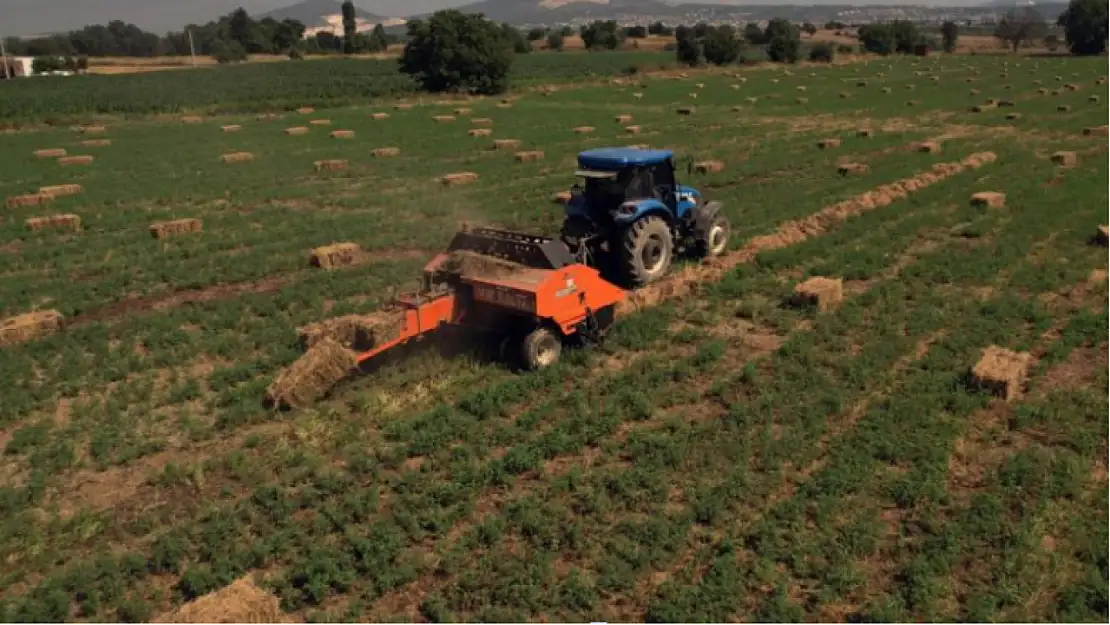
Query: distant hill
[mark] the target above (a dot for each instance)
(551, 11)
(314, 12)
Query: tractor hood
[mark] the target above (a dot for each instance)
(685, 191)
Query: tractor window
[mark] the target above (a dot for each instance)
(663, 175)
(640, 186)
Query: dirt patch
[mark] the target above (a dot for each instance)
(240, 602)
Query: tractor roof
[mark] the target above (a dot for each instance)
(619, 158)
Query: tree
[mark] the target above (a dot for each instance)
(877, 38)
(1021, 25)
(567, 31)
(809, 29)
(229, 52)
(702, 29)
(350, 27)
(783, 42)
(834, 25)
(537, 33)
(721, 47)
(905, 36)
(951, 34)
(689, 51)
(659, 28)
(452, 51)
(1085, 26)
(555, 42)
(602, 35)
(239, 27)
(287, 35)
(754, 34)
(378, 41)
(636, 32)
(515, 38)
(822, 53)
(683, 32)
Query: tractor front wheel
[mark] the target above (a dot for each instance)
(646, 250)
(714, 241)
(541, 348)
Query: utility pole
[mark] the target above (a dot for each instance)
(192, 50)
(4, 59)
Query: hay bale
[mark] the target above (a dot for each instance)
(700, 85)
(910, 87)
(1097, 131)
(1093, 99)
(638, 95)
(1063, 108)
(480, 132)
(385, 152)
(332, 164)
(191, 119)
(506, 144)
(61, 190)
(241, 602)
(83, 159)
(466, 177)
(1102, 236)
(886, 90)
(584, 130)
(67, 221)
(912, 102)
(165, 229)
(30, 199)
(264, 117)
(481, 121)
(444, 118)
(828, 143)
(50, 153)
(752, 100)
(335, 255)
(319, 122)
(296, 130)
(989, 199)
(1042, 91)
(633, 130)
(379, 116)
(237, 157)
(231, 128)
(865, 132)
(93, 130)
(1001, 372)
(824, 293)
(844, 95)
(402, 107)
(686, 110)
(562, 197)
(23, 328)
(1056, 92)
(974, 92)
(342, 134)
(96, 143)
(306, 110)
(1013, 116)
(801, 100)
(709, 167)
(928, 147)
(504, 105)
(623, 119)
(861, 83)
(853, 168)
(311, 376)
(462, 111)
(1071, 86)
(1006, 103)
(1064, 158)
(359, 332)
(529, 157)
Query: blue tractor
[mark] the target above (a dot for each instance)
(631, 217)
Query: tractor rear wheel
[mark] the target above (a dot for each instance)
(714, 241)
(541, 348)
(646, 250)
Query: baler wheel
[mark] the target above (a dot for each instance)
(540, 349)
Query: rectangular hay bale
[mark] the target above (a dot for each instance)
(296, 130)
(481, 121)
(311, 376)
(529, 157)
(385, 152)
(231, 128)
(237, 157)
(584, 130)
(444, 118)
(825, 293)
(480, 132)
(506, 144)
(342, 134)
(465, 177)
(29, 199)
(319, 122)
(96, 143)
(334, 164)
(306, 110)
(62, 221)
(336, 255)
(165, 229)
(61, 190)
(361, 332)
(50, 153)
(379, 116)
(22, 328)
(1002, 372)
(83, 159)
(989, 199)
(709, 167)
(1065, 158)
(824, 144)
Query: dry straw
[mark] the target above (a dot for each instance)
(530, 157)
(27, 326)
(824, 293)
(342, 134)
(828, 143)
(231, 128)
(465, 177)
(989, 199)
(83, 159)
(67, 221)
(50, 153)
(385, 152)
(96, 143)
(296, 130)
(506, 144)
(480, 132)
(334, 164)
(336, 255)
(584, 130)
(1065, 158)
(237, 157)
(165, 229)
(1001, 372)
(380, 116)
(319, 122)
(853, 168)
(709, 167)
(60, 190)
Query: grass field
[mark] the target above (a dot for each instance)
(724, 456)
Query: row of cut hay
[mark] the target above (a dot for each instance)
(45, 195)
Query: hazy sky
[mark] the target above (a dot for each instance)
(28, 17)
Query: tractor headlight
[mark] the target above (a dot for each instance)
(628, 208)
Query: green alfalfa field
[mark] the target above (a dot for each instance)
(725, 455)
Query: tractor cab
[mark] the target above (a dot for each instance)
(631, 206)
